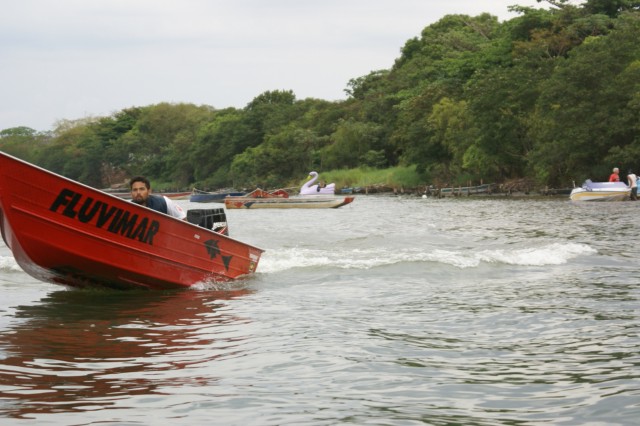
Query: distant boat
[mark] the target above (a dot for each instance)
(601, 191)
(198, 196)
(260, 199)
(176, 195)
(63, 232)
(353, 190)
(310, 189)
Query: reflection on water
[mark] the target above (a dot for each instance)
(86, 349)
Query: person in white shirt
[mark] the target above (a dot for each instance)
(633, 183)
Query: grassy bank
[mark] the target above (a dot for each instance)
(395, 177)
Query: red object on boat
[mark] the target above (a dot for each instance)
(261, 193)
(64, 232)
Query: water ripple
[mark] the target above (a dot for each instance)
(398, 312)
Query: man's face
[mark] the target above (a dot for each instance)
(139, 193)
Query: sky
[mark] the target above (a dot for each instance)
(74, 59)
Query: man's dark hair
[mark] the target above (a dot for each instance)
(140, 179)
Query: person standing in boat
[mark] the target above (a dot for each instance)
(633, 183)
(141, 194)
(615, 176)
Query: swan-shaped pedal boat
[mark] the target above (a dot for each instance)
(310, 189)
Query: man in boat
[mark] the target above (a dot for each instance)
(615, 176)
(633, 183)
(141, 194)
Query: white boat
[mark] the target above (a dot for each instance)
(601, 191)
(309, 189)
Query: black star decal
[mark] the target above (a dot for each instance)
(226, 260)
(212, 248)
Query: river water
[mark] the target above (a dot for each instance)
(388, 311)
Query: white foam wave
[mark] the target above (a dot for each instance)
(551, 254)
(9, 264)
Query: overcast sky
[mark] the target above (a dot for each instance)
(70, 59)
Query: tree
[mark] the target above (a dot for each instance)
(452, 129)
(279, 159)
(114, 153)
(351, 141)
(159, 142)
(268, 112)
(23, 142)
(215, 146)
(611, 8)
(582, 113)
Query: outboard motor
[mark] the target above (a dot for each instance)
(214, 219)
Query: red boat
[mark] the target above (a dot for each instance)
(64, 232)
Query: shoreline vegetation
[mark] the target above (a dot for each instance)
(544, 100)
(398, 181)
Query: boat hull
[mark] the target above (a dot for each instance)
(286, 203)
(599, 196)
(177, 195)
(63, 232)
(601, 191)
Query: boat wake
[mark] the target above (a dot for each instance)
(278, 260)
(552, 254)
(9, 264)
(291, 258)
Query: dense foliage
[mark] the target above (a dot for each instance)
(552, 95)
